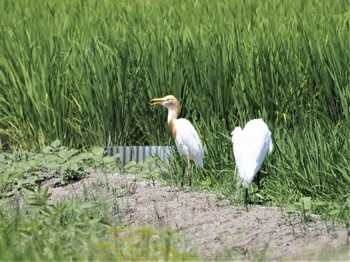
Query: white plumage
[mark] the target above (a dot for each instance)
(250, 146)
(186, 137)
(187, 141)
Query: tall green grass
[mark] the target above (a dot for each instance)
(81, 70)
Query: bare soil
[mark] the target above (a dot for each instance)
(213, 229)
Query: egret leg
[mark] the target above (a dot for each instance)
(183, 172)
(259, 188)
(189, 172)
(246, 199)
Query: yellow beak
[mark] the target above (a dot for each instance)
(157, 101)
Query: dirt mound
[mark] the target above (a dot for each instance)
(212, 228)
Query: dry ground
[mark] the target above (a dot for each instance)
(214, 229)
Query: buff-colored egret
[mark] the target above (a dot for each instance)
(186, 137)
(250, 146)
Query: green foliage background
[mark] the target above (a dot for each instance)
(81, 70)
(77, 70)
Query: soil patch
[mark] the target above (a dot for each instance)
(214, 229)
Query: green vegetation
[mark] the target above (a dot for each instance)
(80, 227)
(70, 230)
(81, 70)
(26, 169)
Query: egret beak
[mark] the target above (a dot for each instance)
(157, 101)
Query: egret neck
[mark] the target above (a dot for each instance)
(172, 116)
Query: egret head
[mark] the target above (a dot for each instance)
(168, 101)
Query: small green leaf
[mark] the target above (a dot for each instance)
(88, 170)
(56, 143)
(53, 166)
(334, 212)
(84, 156)
(130, 164)
(133, 169)
(108, 159)
(63, 153)
(74, 167)
(98, 151)
(66, 153)
(149, 159)
(47, 149)
(306, 203)
(291, 208)
(51, 158)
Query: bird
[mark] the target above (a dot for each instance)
(186, 137)
(250, 147)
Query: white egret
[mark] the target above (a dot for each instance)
(186, 137)
(250, 146)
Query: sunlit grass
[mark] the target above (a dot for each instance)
(81, 70)
(78, 71)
